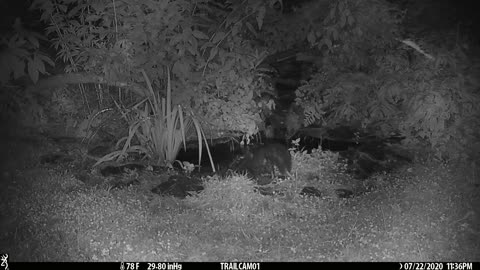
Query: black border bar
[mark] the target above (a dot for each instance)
(242, 265)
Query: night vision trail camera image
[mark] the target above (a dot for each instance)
(239, 132)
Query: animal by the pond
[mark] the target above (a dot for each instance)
(265, 158)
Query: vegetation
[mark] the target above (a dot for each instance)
(159, 129)
(425, 213)
(368, 76)
(153, 75)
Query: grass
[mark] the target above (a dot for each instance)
(427, 212)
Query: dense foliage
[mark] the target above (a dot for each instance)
(373, 81)
(213, 64)
(368, 75)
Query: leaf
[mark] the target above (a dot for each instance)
(5, 69)
(351, 19)
(218, 37)
(206, 45)
(92, 18)
(62, 8)
(18, 67)
(260, 16)
(251, 29)
(108, 157)
(32, 70)
(335, 34)
(213, 53)
(199, 34)
(311, 37)
(180, 68)
(359, 31)
(74, 11)
(343, 20)
(193, 50)
(236, 29)
(38, 63)
(327, 42)
(34, 41)
(47, 59)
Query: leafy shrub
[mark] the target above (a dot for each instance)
(369, 78)
(423, 95)
(211, 63)
(20, 54)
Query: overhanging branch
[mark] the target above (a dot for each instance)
(61, 80)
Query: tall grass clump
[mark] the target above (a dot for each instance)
(159, 129)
